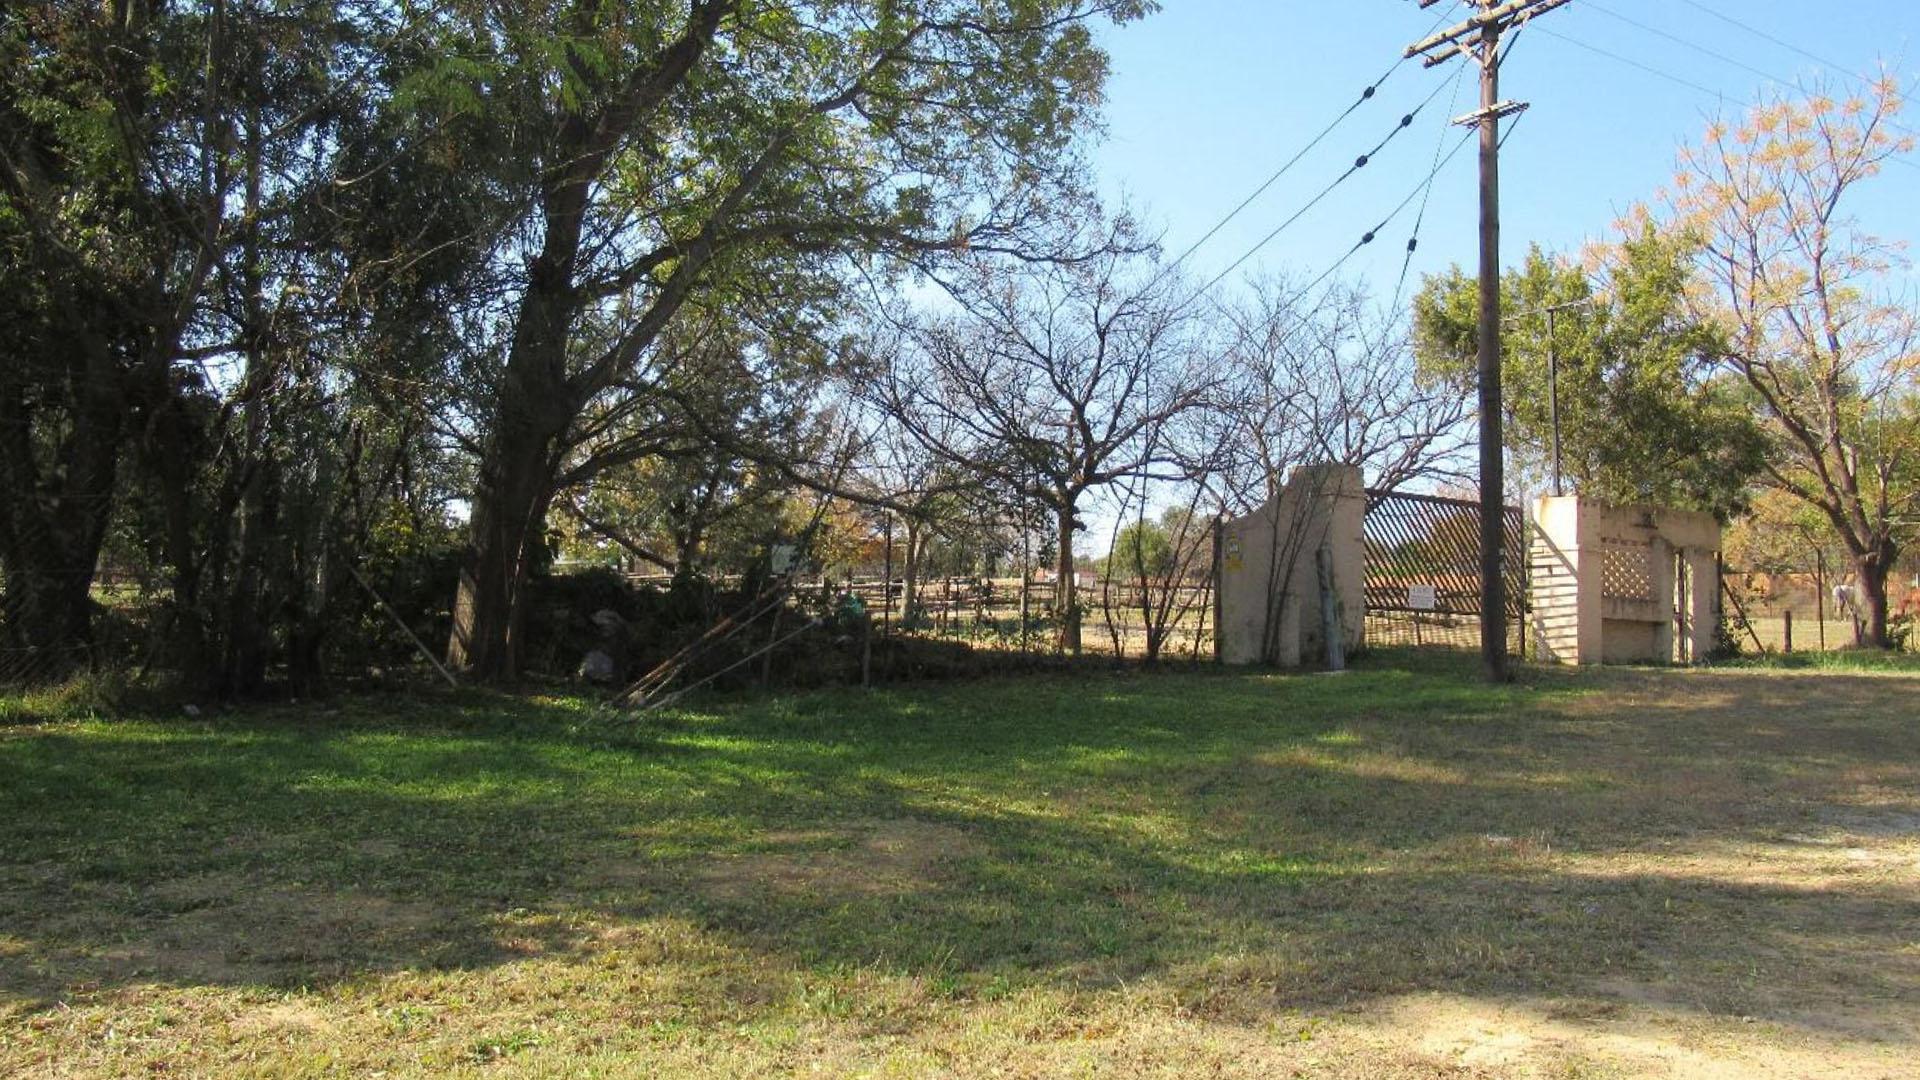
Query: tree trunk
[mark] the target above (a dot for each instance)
(48, 617)
(307, 637)
(910, 577)
(509, 515)
(1066, 601)
(54, 521)
(1872, 570)
(508, 523)
(244, 637)
(244, 648)
(687, 543)
(518, 470)
(1152, 616)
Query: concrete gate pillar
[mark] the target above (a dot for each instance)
(1269, 584)
(1613, 584)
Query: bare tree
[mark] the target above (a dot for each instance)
(1052, 381)
(1323, 377)
(1319, 376)
(920, 489)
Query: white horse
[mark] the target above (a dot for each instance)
(1846, 600)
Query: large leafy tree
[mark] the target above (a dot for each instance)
(110, 180)
(666, 150)
(1814, 327)
(1642, 416)
(671, 472)
(161, 166)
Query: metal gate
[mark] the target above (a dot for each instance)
(1423, 571)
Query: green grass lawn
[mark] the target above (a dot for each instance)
(1393, 872)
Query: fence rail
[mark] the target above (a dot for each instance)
(1795, 611)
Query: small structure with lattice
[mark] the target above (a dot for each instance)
(1623, 584)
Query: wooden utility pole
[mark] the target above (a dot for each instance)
(1479, 38)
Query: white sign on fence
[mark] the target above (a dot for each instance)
(1422, 597)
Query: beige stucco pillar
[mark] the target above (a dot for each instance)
(1268, 578)
(1605, 586)
(1564, 583)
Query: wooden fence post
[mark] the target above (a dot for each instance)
(1330, 628)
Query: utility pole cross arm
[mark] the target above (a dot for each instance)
(1502, 17)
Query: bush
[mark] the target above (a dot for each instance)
(416, 579)
(1730, 637)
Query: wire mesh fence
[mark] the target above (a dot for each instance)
(1813, 610)
(46, 631)
(1019, 615)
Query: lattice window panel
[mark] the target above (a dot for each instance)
(1626, 571)
(1427, 540)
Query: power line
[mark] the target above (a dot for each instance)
(1648, 68)
(1370, 235)
(1420, 219)
(1724, 58)
(1359, 163)
(1678, 40)
(1783, 43)
(1366, 95)
(1680, 81)
(1275, 177)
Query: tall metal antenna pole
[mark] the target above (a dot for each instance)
(1553, 374)
(1553, 399)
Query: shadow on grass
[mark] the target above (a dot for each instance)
(1297, 840)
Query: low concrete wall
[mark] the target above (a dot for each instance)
(1270, 609)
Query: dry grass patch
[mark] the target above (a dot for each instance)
(873, 859)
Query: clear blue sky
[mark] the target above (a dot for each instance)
(1208, 97)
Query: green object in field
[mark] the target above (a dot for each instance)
(850, 612)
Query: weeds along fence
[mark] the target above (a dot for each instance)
(1016, 616)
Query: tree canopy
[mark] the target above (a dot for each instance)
(1644, 416)
(1824, 346)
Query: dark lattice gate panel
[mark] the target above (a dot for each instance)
(1423, 571)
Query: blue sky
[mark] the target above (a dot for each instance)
(1209, 97)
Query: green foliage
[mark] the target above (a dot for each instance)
(286, 276)
(413, 564)
(1642, 416)
(1143, 548)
